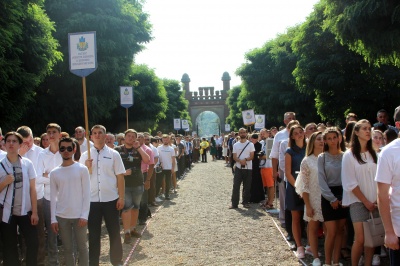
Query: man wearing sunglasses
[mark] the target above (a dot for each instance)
(70, 203)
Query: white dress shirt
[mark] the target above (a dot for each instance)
(106, 165)
(70, 192)
(33, 155)
(279, 137)
(47, 161)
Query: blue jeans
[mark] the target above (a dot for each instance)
(52, 249)
(133, 196)
(241, 176)
(70, 231)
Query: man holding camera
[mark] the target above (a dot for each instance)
(243, 153)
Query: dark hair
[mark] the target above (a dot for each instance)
(356, 146)
(41, 139)
(13, 133)
(349, 131)
(67, 139)
(254, 136)
(54, 125)
(342, 144)
(390, 135)
(77, 154)
(24, 131)
(327, 131)
(292, 142)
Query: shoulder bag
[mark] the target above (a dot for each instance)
(374, 232)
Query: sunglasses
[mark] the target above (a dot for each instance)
(69, 149)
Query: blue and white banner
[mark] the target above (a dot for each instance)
(260, 122)
(185, 125)
(82, 53)
(177, 123)
(126, 94)
(248, 117)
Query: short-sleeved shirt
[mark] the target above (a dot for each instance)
(166, 154)
(106, 165)
(149, 151)
(388, 172)
(132, 160)
(238, 147)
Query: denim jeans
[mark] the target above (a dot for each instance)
(52, 248)
(9, 238)
(241, 176)
(108, 211)
(144, 208)
(70, 232)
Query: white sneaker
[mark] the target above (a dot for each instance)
(309, 252)
(376, 260)
(361, 261)
(158, 199)
(300, 253)
(316, 262)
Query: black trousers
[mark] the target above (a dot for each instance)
(9, 238)
(108, 211)
(159, 178)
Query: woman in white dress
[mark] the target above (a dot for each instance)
(307, 187)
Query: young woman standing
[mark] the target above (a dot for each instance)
(307, 187)
(293, 157)
(360, 189)
(329, 179)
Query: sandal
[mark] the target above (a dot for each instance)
(345, 253)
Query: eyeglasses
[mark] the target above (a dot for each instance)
(69, 149)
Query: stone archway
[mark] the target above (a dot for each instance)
(207, 124)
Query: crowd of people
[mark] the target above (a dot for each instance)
(329, 182)
(56, 188)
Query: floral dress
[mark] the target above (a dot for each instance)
(307, 181)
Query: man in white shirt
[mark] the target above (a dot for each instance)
(31, 151)
(277, 173)
(388, 178)
(107, 186)
(243, 154)
(49, 159)
(167, 159)
(70, 203)
(80, 133)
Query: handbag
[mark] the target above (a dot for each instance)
(374, 232)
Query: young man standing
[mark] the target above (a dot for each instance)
(70, 203)
(49, 159)
(132, 155)
(107, 195)
(243, 154)
(167, 159)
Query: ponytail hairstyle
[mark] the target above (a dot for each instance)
(355, 145)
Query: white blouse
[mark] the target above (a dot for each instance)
(355, 174)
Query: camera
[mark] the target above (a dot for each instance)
(242, 166)
(261, 154)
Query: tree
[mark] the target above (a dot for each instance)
(177, 106)
(339, 79)
(370, 28)
(121, 28)
(236, 105)
(150, 102)
(28, 52)
(269, 83)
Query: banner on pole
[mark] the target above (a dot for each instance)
(260, 122)
(126, 96)
(177, 123)
(185, 125)
(227, 128)
(82, 53)
(248, 117)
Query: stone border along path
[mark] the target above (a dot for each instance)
(197, 228)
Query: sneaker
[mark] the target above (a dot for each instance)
(127, 238)
(300, 253)
(175, 191)
(309, 252)
(361, 261)
(376, 260)
(158, 199)
(135, 233)
(316, 262)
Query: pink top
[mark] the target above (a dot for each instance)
(145, 166)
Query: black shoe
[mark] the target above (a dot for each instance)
(142, 222)
(289, 238)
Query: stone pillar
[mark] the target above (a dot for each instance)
(186, 86)
(212, 93)
(226, 79)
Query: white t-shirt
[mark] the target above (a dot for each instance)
(166, 154)
(238, 148)
(388, 172)
(279, 137)
(70, 192)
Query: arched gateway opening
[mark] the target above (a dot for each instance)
(207, 107)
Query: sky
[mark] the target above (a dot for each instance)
(208, 37)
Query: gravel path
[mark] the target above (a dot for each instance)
(197, 228)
